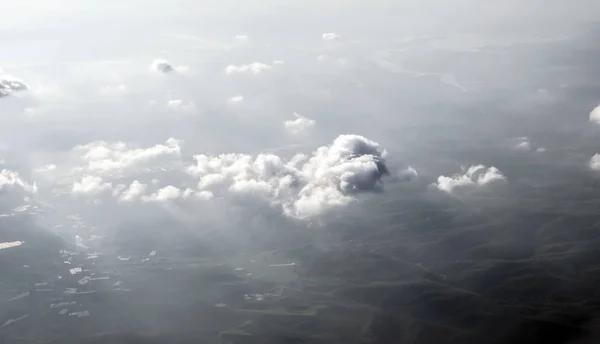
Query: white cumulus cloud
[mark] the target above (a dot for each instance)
(135, 191)
(252, 68)
(594, 162)
(90, 185)
(10, 84)
(595, 115)
(162, 66)
(299, 124)
(11, 179)
(474, 176)
(165, 194)
(303, 186)
(170, 193)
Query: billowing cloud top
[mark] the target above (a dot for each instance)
(303, 186)
(475, 176)
(299, 125)
(9, 84)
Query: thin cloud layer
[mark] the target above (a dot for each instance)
(330, 36)
(252, 68)
(302, 186)
(103, 157)
(180, 105)
(474, 177)
(299, 125)
(236, 99)
(522, 144)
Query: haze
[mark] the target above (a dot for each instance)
(299, 171)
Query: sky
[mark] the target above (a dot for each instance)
(203, 111)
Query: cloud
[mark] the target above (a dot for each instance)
(163, 66)
(90, 185)
(594, 162)
(475, 176)
(252, 68)
(10, 244)
(10, 84)
(135, 191)
(182, 69)
(11, 179)
(278, 62)
(330, 36)
(408, 174)
(45, 169)
(103, 157)
(242, 37)
(299, 125)
(302, 186)
(522, 144)
(171, 193)
(595, 115)
(179, 105)
(541, 150)
(168, 193)
(236, 99)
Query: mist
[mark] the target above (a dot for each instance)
(298, 171)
